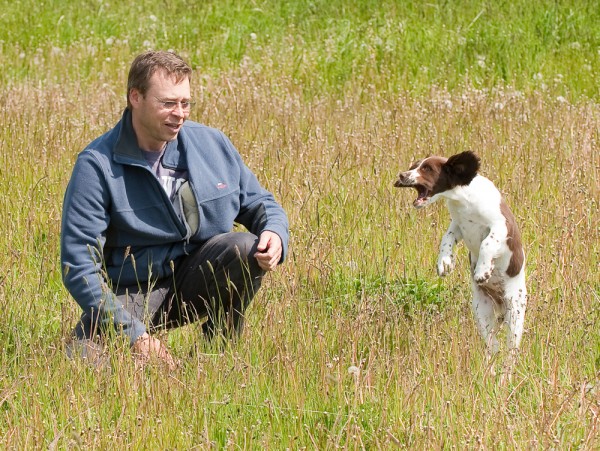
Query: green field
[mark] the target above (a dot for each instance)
(354, 342)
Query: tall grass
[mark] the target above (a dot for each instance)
(322, 45)
(354, 342)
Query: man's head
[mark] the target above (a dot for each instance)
(147, 63)
(158, 96)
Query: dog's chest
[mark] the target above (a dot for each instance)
(470, 218)
(473, 234)
(472, 222)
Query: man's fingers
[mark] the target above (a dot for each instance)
(268, 260)
(263, 242)
(148, 347)
(269, 250)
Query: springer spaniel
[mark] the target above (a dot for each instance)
(480, 218)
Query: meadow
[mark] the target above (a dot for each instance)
(354, 343)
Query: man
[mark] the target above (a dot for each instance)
(147, 240)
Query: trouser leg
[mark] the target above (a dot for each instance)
(216, 282)
(141, 301)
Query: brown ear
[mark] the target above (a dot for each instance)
(462, 167)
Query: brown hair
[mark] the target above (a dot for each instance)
(147, 63)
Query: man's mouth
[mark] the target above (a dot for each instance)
(174, 127)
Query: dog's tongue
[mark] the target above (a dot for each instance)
(419, 201)
(422, 198)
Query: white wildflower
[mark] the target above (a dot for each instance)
(354, 370)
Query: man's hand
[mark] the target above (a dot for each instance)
(147, 347)
(269, 250)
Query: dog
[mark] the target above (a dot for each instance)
(484, 222)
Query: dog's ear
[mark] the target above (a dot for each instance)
(462, 167)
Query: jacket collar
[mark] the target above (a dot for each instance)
(126, 147)
(127, 151)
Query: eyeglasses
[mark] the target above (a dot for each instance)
(170, 105)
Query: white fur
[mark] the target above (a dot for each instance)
(478, 221)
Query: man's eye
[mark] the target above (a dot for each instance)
(170, 105)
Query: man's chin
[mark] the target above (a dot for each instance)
(171, 136)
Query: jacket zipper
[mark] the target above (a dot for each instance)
(169, 205)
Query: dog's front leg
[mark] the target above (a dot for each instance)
(488, 250)
(445, 263)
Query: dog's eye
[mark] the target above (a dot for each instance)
(426, 168)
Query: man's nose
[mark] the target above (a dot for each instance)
(178, 110)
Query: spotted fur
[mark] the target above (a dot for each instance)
(484, 222)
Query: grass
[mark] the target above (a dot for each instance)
(322, 45)
(327, 104)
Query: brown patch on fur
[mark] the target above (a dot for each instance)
(495, 292)
(513, 240)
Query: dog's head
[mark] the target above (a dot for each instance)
(434, 175)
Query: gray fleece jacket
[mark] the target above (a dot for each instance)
(119, 227)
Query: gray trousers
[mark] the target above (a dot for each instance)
(216, 283)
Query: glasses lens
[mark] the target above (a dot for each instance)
(171, 104)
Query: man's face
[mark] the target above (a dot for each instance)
(159, 114)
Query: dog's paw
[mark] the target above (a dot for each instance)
(445, 265)
(482, 274)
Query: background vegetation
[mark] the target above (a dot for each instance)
(355, 342)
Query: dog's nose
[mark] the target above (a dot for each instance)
(402, 180)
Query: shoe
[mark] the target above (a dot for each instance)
(88, 350)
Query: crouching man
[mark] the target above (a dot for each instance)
(146, 239)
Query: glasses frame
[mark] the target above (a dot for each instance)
(171, 105)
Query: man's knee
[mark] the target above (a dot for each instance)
(244, 242)
(237, 248)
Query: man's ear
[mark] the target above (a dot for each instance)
(134, 97)
(462, 167)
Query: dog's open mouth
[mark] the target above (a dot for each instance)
(423, 193)
(423, 196)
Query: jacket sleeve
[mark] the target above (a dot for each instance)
(259, 211)
(85, 219)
